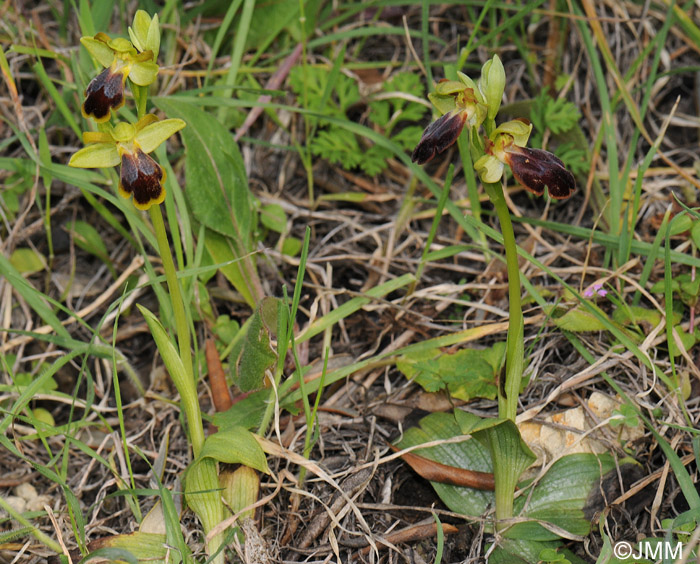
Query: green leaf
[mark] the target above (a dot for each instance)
(241, 488)
(291, 246)
(627, 417)
(467, 374)
(87, 238)
(133, 547)
(521, 551)
(235, 445)
(380, 112)
(217, 187)
(680, 224)
(374, 160)
(561, 497)
(202, 492)
(470, 454)
(256, 354)
(560, 115)
(687, 339)
(222, 250)
(337, 146)
(225, 328)
(408, 83)
(27, 261)
(576, 320)
(695, 233)
(273, 217)
(408, 137)
(634, 315)
(509, 453)
(247, 412)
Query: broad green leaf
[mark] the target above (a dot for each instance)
(520, 551)
(202, 492)
(225, 328)
(687, 340)
(562, 496)
(509, 454)
(291, 246)
(133, 547)
(216, 184)
(269, 18)
(235, 445)
(255, 354)
(637, 314)
(680, 224)
(247, 413)
(27, 261)
(470, 454)
(695, 233)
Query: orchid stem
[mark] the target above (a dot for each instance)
(181, 326)
(515, 348)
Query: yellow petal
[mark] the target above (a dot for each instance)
(153, 135)
(99, 50)
(98, 155)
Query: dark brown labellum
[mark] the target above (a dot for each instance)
(535, 169)
(143, 177)
(104, 93)
(439, 135)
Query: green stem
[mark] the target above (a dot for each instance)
(515, 348)
(181, 326)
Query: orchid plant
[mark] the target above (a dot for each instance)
(142, 177)
(475, 104)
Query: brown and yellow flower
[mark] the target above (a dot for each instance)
(533, 168)
(121, 61)
(461, 103)
(129, 144)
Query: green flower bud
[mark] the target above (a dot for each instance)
(492, 84)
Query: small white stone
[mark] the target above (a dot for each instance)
(26, 491)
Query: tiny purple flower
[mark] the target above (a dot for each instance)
(596, 289)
